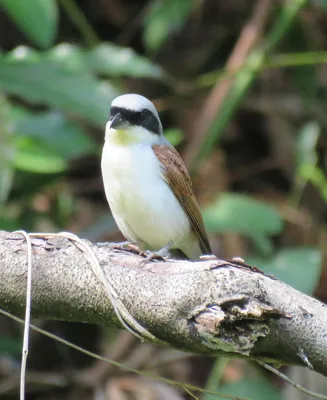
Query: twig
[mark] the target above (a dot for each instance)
(80, 21)
(27, 314)
(191, 394)
(288, 380)
(122, 366)
(188, 388)
(123, 315)
(247, 40)
(242, 83)
(274, 61)
(126, 35)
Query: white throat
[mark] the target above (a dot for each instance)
(131, 136)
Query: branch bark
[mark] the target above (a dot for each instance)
(207, 307)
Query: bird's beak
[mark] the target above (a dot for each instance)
(117, 121)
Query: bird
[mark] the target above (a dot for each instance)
(147, 184)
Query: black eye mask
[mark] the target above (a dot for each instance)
(144, 118)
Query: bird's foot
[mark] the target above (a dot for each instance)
(151, 255)
(127, 245)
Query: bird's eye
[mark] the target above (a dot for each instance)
(142, 117)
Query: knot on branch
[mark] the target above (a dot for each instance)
(234, 325)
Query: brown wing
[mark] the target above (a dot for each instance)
(180, 182)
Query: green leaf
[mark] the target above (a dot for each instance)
(317, 177)
(6, 150)
(23, 52)
(36, 18)
(112, 60)
(68, 55)
(66, 138)
(240, 213)
(254, 389)
(6, 171)
(307, 160)
(306, 144)
(298, 267)
(34, 156)
(164, 17)
(49, 82)
(105, 59)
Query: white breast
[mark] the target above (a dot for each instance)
(145, 209)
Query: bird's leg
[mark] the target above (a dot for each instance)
(162, 253)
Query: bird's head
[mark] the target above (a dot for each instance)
(133, 119)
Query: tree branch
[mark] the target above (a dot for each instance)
(207, 307)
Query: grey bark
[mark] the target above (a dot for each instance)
(207, 307)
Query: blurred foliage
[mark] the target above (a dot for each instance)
(255, 389)
(239, 213)
(61, 64)
(9, 346)
(298, 267)
(38, 19)
(254, 386)
(164, 17)
(308, 169)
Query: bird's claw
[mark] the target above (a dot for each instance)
(151, 255)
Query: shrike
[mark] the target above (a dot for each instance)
(147, 185)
